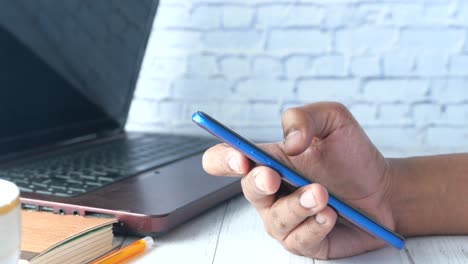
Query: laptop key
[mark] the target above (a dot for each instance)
(86, 177)
(43, 192)
(25, 189)
(64, 177)
(97, 184)
(39, 184)
(58, 188)
(77, 190)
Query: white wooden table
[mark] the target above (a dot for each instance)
(234, 233)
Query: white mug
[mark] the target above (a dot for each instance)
(10, 223)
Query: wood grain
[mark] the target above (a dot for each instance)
(439, 249)
(244, 240)
(234, 233)
(193, 242)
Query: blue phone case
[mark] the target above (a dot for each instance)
(260, 157)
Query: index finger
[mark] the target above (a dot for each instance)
(223, 160)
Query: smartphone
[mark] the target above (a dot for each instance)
(288, 175)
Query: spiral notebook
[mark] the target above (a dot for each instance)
(53, 238)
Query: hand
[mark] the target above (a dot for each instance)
(324, 143)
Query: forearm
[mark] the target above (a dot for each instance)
(429, 195)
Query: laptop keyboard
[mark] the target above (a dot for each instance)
(84, 170)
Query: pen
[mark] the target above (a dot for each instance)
(126, 253)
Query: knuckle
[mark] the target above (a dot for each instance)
(290, 246)
(313, 231)
(339, 109)
(290, 111)
(278, 221)
(292, 204)
(299, 241)
(291, 114)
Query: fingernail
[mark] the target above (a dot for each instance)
(259, 183)
(233, 164)
(292, 136)
(307, 199)
(320, 218)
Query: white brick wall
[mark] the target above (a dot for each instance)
(400, 66)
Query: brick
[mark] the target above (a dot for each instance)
(365, 40)
(336, 16)
(154, 89)
(252, 67)
(459, 65)
(233, 113)
(299, 65)
(367, 14)
(364, 113)
(394, 114)
(232, 39)
(329, 65)
(399, 64)
(143, 111)
(262, 132)
(455, 114)
(449, 40)
(447, 137)
(431, 65)
(206, 17)
(235, 66)
(162, 67)
(405, 14)
(328, 1)
(365, 66)
(207, 106)
(286, 15)
(267, 66)
(327, 89)
(310, 40)
(201, 88)
(450, 90)
(172, 16)
(426, 113)
(237, 16)
(264, 113)
(202, 65)
(417, 14)
(149, 127)
(175, 38)
(292, 104)
(440, 14)
(170, 112)
(396, 137)
(265, 89)
(461, 16)
(396, 90)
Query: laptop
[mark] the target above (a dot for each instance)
(68, 71)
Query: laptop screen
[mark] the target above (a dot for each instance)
(68, 68)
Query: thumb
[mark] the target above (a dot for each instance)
(302, 124)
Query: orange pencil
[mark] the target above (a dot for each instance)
(126, 253)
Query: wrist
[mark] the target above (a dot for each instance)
(399, 194)
(427, 195)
